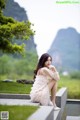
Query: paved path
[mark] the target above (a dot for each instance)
(17, 102)
(73, 118)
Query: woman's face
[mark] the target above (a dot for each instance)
(48, 62)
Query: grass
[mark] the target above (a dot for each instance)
(14, 87)
(18, 112)
(73, 87)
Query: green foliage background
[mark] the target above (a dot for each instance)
(16, 68)
(12, 30)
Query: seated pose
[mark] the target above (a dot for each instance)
(45, 84)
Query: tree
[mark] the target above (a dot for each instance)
(10, 30)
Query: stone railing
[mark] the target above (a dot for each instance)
(47, 112)
(44, 112)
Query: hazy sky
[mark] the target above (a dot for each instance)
(48, 17)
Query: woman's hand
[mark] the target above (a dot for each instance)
(52, 68)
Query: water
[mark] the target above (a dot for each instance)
(72, 108)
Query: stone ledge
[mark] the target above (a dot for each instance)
(43, 113)
(73, 118)
(17, 102)
(61, 99)
(14, 96)
(73, 101)
(57, 115)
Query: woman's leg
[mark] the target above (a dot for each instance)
(53, 88)
(53, 93)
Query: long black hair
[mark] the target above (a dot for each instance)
(44, 57)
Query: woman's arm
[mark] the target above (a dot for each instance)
(51, 72)
(52, 68)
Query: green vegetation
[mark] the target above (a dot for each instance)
(18, 112)
(12, 30)
(73, 86)
(13, 87)
(17, 68)
(75, 75)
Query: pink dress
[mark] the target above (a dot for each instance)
(40, 90)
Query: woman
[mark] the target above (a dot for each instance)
(46, 77)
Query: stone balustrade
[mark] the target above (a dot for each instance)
(44, 112)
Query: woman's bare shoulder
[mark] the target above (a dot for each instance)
(44, 68)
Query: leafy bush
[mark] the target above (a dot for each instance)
(75, 75)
